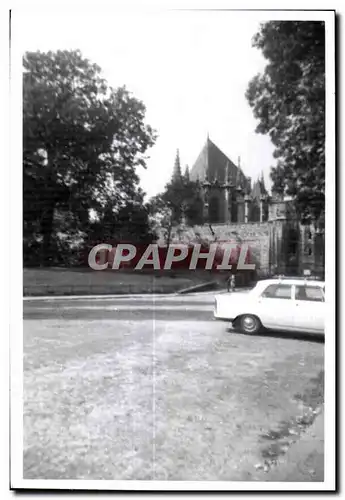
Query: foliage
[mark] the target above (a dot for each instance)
(180, 202)
(82, 144)
(161, 217)
(127, 223)
(288, 99)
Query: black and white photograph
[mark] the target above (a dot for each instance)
(173, 302)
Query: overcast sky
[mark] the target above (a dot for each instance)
(191, 69)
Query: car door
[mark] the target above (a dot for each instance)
(309, 314)
(275, 307)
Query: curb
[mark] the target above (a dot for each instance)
(108, 291)
(110, 296)
(206, 287)
(99, 296)
(72, 291)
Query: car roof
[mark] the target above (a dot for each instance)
(292, 281)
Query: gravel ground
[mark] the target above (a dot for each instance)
(142, 398)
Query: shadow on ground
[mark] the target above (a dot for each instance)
(307, 337)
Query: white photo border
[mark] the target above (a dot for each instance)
(16, 281)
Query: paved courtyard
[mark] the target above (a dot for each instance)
(118, 389)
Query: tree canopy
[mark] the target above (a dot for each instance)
(180, 202)
(288, 100)
(82, 143)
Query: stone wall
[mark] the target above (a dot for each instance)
(276, 247)
(255, 235)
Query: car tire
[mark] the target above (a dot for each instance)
(249, 324)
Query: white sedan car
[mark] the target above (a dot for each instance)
(275, 304)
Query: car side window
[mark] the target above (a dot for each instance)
(277, 292)
(309, 293)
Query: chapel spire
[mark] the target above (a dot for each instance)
(177, 175)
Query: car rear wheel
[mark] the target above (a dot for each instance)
(249, 324)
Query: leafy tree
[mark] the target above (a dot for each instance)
(161, 218)
(183, 198)
(288, 99)
(193, 204)
(82, 140)
(129, 223)
(174, 197)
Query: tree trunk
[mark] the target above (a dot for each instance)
(168, 236)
